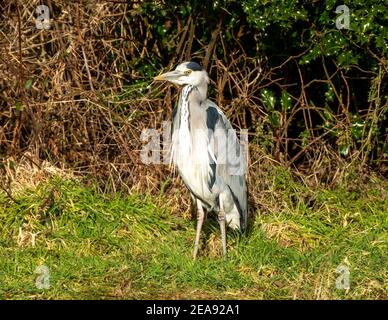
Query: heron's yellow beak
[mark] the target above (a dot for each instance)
(159, 77)
(169, 76)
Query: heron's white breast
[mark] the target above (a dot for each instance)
(190, 151)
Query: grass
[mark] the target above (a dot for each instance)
(100, 246)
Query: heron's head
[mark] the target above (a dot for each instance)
(187, 73)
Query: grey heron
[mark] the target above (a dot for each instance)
(207, 152)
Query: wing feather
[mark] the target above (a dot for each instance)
(227, 151)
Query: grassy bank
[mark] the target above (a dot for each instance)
(125, 247)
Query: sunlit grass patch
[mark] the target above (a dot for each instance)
(136, 246)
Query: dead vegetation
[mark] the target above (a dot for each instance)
(71, 96)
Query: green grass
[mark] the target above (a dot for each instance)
(133, 247)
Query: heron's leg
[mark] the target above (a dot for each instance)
(221, 221)
(200, 218)
(193, 206)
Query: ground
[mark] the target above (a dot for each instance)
(120, 246)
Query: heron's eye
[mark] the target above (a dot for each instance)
(187, 72)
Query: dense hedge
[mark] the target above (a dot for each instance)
(337, 75)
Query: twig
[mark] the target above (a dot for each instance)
(9, 195)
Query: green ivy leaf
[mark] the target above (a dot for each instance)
(285, 101)
(268, 99)
(273, 119)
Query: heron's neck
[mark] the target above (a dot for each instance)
(199, 92)
(202, 89)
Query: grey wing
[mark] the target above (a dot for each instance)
(228, 155)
